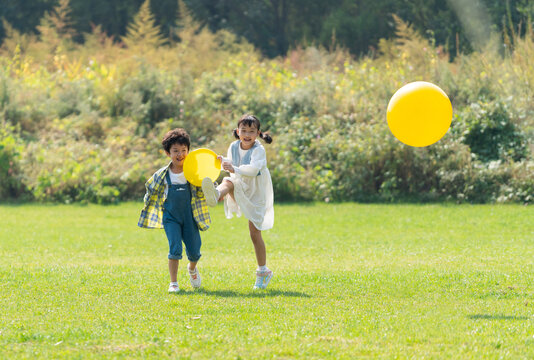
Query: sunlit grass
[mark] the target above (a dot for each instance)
(376, 281)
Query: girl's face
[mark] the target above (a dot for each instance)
(247, 135)
(177, 153)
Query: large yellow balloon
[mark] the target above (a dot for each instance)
(419, 114)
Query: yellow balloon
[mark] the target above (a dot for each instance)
(419, 114)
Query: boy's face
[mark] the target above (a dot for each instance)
(177, 153)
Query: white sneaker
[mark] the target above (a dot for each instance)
(194, 276)
(262, 279)
(210, 192)
(173, 288)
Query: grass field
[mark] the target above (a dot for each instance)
(351, 281)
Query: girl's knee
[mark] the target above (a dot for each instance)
(228, 184)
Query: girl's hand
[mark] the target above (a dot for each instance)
(227, 165)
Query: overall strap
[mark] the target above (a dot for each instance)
(168, 177)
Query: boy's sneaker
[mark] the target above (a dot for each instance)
(262, 279)
(210, 193)
(194, 276)
(173, 288)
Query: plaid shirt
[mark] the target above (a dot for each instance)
(152, 213)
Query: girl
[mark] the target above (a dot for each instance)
(248, 190)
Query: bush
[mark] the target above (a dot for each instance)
(91, 120)
(11, 182)
(487, 128)
(149, 97)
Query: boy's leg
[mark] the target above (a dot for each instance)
(173, 230)
(192, 243)
(194, 275)
(173, 269)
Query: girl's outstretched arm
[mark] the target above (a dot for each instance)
(258, 161)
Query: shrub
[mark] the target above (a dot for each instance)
(149, 97)
(487, 128)
(11, 182)
(91, 119)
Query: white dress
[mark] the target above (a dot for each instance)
(253, 193)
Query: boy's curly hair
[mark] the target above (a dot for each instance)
(176, 136)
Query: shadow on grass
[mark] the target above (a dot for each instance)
(251, 294)
(496, 317)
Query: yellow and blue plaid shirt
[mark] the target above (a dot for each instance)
(152, 213)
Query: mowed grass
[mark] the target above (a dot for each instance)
(351, 281)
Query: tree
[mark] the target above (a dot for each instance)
(55, 28)
(143, 31)
(187, 25)
(61, 20)
(14, 38)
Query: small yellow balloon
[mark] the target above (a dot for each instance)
(419, 114)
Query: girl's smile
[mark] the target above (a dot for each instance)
(247, 135)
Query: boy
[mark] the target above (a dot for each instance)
(177, 206)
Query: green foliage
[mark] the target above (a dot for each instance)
(488, 129)
(55, 28)
(11, 182)
(143, 30)
(148, 97)
(91, 118)
(14, 38)
(276, 27)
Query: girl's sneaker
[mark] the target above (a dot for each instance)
(194, 276)
(210, 193)
(173, 288)
(262, 279)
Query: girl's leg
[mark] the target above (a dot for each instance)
(227, 187)
(173, 269)
(259, 245)
(263, 274)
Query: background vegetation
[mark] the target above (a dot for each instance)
(82, 112)
(276, 26)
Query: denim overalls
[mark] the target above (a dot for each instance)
(179, 223)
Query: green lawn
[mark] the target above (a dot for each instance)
(351, 281)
